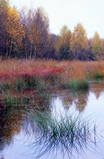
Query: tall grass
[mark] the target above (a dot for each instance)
(22, 75)
(77, 84)
(9, 100)
(98, 75)
(69, 133)
(73, 69)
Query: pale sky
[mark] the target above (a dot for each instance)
(90, 13)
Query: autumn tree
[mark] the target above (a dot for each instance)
(23, 34)
(96, 45)
(30, 30)
(42, 30)
(11, 30)
(51, 47)
(36, 28)
(4, 6)
(89, 51)
(25, 51)
(15, 30)
(79, 42)
(63, 44)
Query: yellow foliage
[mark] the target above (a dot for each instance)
(96, 45)
(64, 38)
(79, 40)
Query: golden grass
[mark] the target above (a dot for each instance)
(81, 69)
(17, 76)
(9, 69)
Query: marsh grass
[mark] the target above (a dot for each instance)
(18, 86)
(24, 84)
(4, 87)
(20, 75)
(69, 133)
(98, 75)
(21, 85)
(78, 84)
(9, 100)
(26, 99)
(74, 69)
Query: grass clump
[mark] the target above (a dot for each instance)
(4, 87)
(20, 85)
(78, 84)
(9, 100)
(69, 132)
(98, 75)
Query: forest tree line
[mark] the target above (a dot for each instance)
(25, 34)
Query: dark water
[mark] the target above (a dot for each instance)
(18, 132)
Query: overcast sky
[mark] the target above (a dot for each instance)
(90, 13)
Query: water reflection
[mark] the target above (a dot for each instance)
(11, 122)
(97, 87)
(77, 98)
(59, 132)
(14, 118)
(54, 124)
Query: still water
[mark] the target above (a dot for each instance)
(19, 134)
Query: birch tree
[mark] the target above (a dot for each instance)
(96, 45)
(79, 42)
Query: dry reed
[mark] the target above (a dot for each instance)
(12, 69)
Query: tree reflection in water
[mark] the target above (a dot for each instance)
(51, 129)
(97, 87)
(11, 122)
(78, 98)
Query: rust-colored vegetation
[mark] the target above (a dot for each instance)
(29, 81)
(11, 70)
(14, 69)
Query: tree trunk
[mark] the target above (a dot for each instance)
(25, 50)
(35, 52)
(77, 53)
(31, 50)
(7, 48)
(10, 48)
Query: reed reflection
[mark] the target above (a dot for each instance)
(59, 132)
(51, 124)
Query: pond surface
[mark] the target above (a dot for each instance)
(20, 136)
